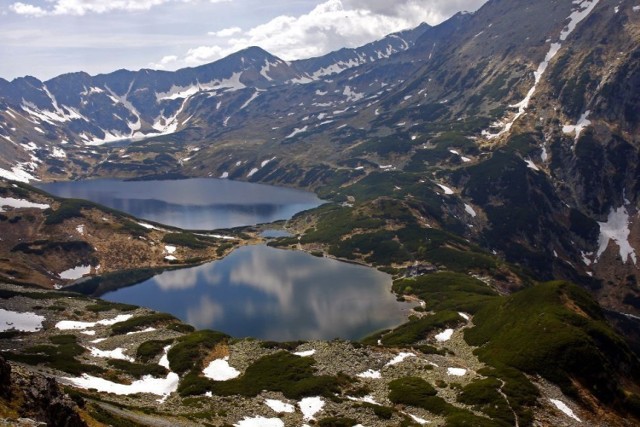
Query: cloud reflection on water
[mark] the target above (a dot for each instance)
(275, 294)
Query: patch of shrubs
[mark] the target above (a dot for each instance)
(149, 350)
(141, 322)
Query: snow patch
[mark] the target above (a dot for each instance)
(297, 131)
(375, 375)
(447, 190)
(444, 336)
(419, 420)
(117, 353)
(305, 353)
(25, 322)
(310, 406)
(69, 325)
(20, 204)
(220, 370)
(584, 9)
(76, 272)
(457, 372)
(352, 96)
(266, 162)
(19, 172)
(170, 249)
(464, 316)
(279, 406)
(58, 153)
(532, 165)
(148, 384)
(468, 209)
(224, 175)
(400, 358)
(147, 226)
(564, 408)
(616, 228)
(583, 122)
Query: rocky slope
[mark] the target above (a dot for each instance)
(498, 147)
(130, 366)
(53, 242)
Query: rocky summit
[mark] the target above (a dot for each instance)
(489, 164)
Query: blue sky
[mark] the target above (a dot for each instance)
(45, 38)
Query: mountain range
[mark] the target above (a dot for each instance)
(513, 132)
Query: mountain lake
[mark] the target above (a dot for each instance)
(256, 291)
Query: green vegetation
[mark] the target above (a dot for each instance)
(111, 281)
(448, 291)
(151, 349)
(284, 372)
(107, 418)
(6, 294)
(187, 239)
(337, 422)
(69, 208)
(141, 322)
(191, 349)
(61, 356)
(417, 329)
(484, 395)
(555, 321)
(138, 370)
(134, 228)
(102, 305)
(417, 392)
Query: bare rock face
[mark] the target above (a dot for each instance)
(41, 398)
(5, 379)
(50, 404)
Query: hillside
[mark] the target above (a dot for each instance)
(489, 164)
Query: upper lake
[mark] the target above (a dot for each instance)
(195, 204)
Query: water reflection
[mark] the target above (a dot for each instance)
(273, 294)
(192, 203)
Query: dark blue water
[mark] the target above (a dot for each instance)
(274, 294)
(196, 204)
(256, 291)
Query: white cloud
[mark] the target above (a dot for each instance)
(27, 9)
(165, 62)
(330, 25)
(227, 32)
(83, 7)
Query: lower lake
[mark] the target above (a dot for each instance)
(274, 294)
(195, 204)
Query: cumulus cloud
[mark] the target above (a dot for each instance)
(227, 32)
(165, 62)
(27, 9)
(330, 25)
(83, 7)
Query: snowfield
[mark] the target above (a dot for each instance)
(25, 322)
(20, 204)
